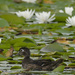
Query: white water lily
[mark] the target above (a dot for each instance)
(19, 13)
(61, 11)
(44, 17)
(70, 21)
(68, 10)
(29, 1)
(26, 14)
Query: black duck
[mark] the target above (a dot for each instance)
(39, 64)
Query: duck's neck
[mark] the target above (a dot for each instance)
(27, 57)
(26, 60)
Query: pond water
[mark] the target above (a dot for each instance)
(18, 32)
(6, 66)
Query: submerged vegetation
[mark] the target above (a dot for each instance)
(46, 27)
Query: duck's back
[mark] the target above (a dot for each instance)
(41, 64)
(29, 64)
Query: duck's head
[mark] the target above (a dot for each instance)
(24, 51)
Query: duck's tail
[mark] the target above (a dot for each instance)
(56, 64)
(53, 65)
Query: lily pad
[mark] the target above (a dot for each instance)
(23, 44)
(2, 58)
(59, 69)
(15, 67)
(28, 40)
(71, 64)
(63, 31)
(4, 7)
(16, 40)
(61, 17)
(6, 46)
(14, 62)
(12, 19)
(52, 47)
(3, 23)
(0, 71)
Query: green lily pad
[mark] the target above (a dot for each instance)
(52, 47)
(71, 64)
(23, 44)
(5, 46)
(14, 62)
(12, 19)
(3, 23)
(59, 68)
(63, 31)
(2, 58)
(61, 17)
(16, 40)
(4, 7)
(16, 67)
(28, 40)
(0, 71)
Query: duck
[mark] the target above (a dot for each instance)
(37, 64)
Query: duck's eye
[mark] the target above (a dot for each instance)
(22, 50)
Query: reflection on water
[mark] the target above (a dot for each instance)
(26, 74)
(50, 73)
(65, 72)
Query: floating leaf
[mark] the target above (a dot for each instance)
(65, 56)
(71, 64)
(28, 40)
(3, 23)
(22, 39)
(63, 31)
(2, 58)
(5, 46)
(61, 15)
(4, 7)
(16, 40)
(52, 47)
(14, 62)
(59, 68)
(0, 71)
(15, 67)
(51, 53)
(12, 19)
(23, 44)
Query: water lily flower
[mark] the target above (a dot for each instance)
(61, 11)
(19, 13)
(26, 14)
(29, 1)
(68, 10)
(70, 21)
(44, 17)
